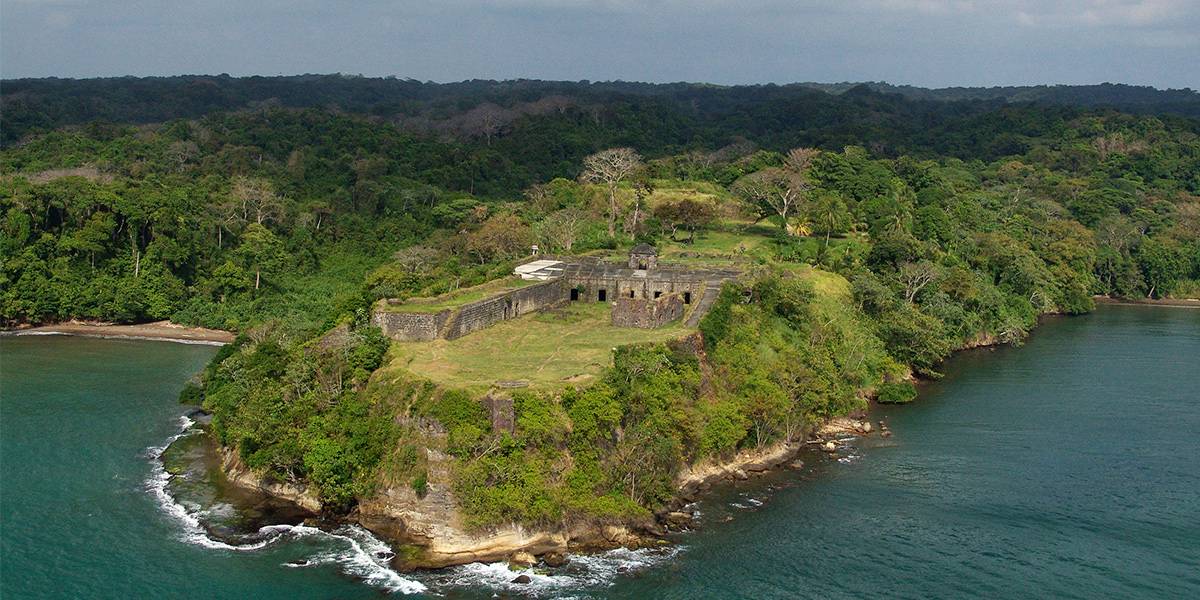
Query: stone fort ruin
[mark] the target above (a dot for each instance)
(642, 293)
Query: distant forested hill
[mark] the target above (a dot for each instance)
(675, 114)
(1130, 98)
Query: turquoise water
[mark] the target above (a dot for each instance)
(1064, 468)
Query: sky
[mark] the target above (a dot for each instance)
(930, 43)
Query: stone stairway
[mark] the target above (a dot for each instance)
(707, 300)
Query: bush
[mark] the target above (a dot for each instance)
(191, 394)
(896, 393)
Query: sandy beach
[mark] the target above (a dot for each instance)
(1175, 302)
(159, 330)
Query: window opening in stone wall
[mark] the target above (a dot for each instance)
(632, 294)
(687, 297)
(574, 294)
(657, 294)
(602, 296)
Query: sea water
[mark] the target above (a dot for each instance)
(1063, 468)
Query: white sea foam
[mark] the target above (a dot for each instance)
(357, 555)
(583, 571)
(355, 548)
(193, 533)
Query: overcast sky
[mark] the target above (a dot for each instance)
(921, 42)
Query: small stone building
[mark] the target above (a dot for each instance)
(643, 257)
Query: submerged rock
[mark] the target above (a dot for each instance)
(522, 579)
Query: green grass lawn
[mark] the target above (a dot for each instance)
(567, 346)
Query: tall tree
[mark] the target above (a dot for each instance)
(261, 251)
(255, 200)
(611, 167)
(779, 191)
(686, 213)
(559, 229)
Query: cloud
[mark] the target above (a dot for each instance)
(925, 42)
(1106, 13)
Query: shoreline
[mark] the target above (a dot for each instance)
(161, 331)
(444, 545)
(519, 545)
(1167, 302)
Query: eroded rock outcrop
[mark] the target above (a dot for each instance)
(237, 472)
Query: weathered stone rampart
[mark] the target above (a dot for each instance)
(452, 323)
(410, 327)
(587, 280)
(510, 305)
(605, 282)
(647, 313)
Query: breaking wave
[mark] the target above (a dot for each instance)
(353, 549)
(581, 572)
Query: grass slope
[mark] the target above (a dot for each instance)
(571, 345)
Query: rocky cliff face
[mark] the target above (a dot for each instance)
(429, 532)
(237, 472)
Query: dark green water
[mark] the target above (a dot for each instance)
(1065, 468)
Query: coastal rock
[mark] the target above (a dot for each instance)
(829, 447)
(885, 433)
(521, 560)
(239, 474)
(679, 519)
(555, 559)
(866, 427)
(522, 579)
(740, 475)
(797, 464)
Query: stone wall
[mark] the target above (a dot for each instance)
(410, 327)
(635, 287)
(455, 323)
(647, 313)
(510, 305)
(501, 410)
(616, 281)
